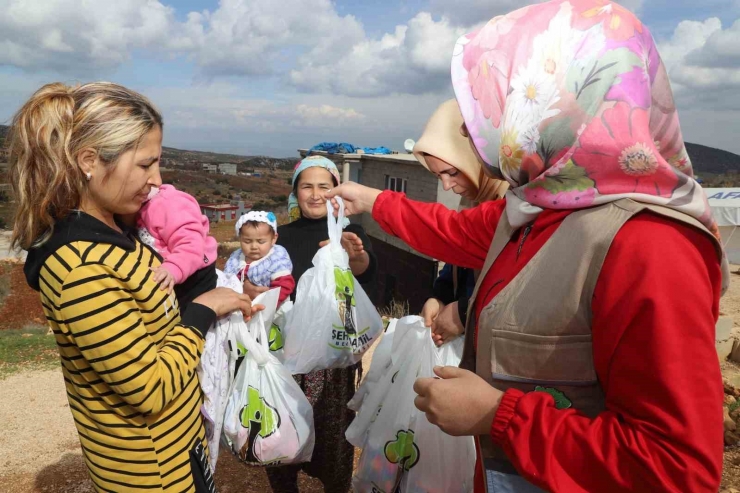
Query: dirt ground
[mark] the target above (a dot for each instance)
(22, 306)
(40, 451)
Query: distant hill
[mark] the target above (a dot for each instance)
(706, 160)
(178, 157)
(711, 160)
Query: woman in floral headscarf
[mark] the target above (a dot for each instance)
(328, 391)
(590, 362)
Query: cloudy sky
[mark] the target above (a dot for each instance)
(269, 76)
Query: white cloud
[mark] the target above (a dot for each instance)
(703, 64)
(688, 37)
(705, 76)
(721, 50)
(353, 87)
(474, 12)
(220, 106)
(251, 37)
(470, 12)
(218, 117)
(413, 59)
(326, 52)
(240, 37)
(327, 116)
(70, 37)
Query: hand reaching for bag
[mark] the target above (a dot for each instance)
(252, 290)
(359, 260)
(357, 198)
(351, 243)
(444, 320)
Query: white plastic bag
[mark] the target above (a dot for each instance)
(402, 450)
(378, 365)
(268, 420)
(394, 354)
(357, 431)
(332, 322)
(215, 370)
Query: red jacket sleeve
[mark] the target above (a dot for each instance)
(654, 312)
(459, 238)
(286, 285)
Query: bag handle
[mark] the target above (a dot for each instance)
(335, 224)
(258, 343)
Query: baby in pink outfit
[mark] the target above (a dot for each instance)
(171, 223)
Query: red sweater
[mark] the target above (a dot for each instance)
(285, 283)
(654, 312)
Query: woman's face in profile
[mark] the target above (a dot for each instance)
(451, 177)
(123, 187)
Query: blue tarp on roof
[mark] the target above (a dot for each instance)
(345, 148)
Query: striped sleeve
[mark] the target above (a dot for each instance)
(108, 327)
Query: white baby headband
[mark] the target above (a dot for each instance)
(257, 216)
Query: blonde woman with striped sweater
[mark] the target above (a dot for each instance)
(79, 158)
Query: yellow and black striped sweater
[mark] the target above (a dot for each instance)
(129, 361)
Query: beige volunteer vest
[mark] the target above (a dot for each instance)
(537, 330)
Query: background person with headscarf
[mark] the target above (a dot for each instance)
(447, 154)
(328, 391)
(590, 362)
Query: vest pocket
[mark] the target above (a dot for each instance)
(542, 360)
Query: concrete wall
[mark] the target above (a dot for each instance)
(227, 168)
(402, 276)
(420, 185)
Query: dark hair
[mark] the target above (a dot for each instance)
(255, 225)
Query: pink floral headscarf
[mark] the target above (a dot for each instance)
(570, 102)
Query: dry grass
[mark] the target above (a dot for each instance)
(223, 231)
(395, 310)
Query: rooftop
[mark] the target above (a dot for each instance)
(219, 206)
(404, 157)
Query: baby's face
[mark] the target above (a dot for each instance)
(256, 240)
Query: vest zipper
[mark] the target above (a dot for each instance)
(524, 238)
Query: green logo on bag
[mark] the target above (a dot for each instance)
(345, 294)
(275, 338)
(261, 419)
(403, 451)
(241, 351)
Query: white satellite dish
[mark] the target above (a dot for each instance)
(409, 145)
